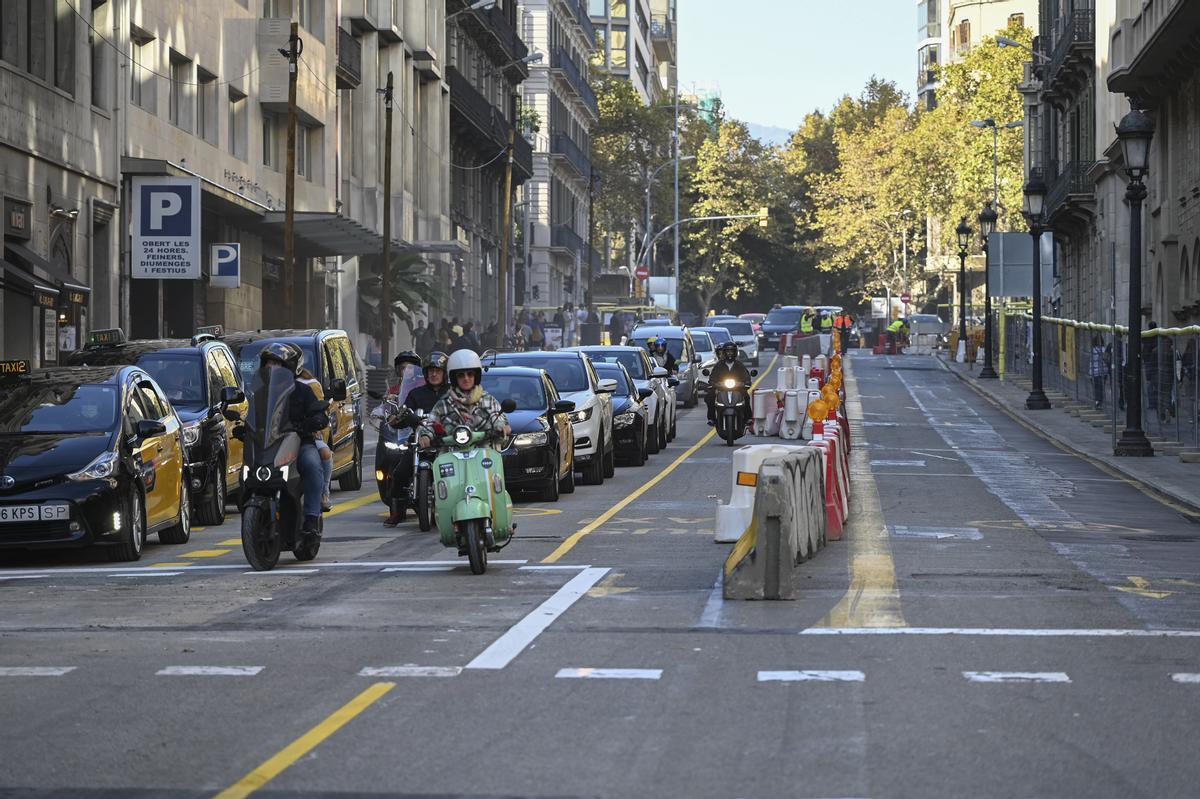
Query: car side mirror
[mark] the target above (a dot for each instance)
(337, 389)
(660, 372)
(672, 381)
(508, 406)
(564, 406)
(607, 386)
(645, 393)
(232, 395)
(232, 415)
(149, 428)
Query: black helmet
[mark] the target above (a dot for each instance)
(436, 360)
(728, 350)
(406, 357)
(291, 356)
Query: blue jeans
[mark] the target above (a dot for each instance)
(312, 475)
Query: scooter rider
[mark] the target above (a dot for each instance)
(661, 355)
(465, 403)
(307, 415)
(423, 398)
(727, 367)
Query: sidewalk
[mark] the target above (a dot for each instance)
(1077, 427)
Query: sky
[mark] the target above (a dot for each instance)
(776, 60)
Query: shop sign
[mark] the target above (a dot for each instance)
(17, 219)
(75, 297)
(166, 228)
(46, 299)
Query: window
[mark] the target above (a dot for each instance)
(269, 147)
(237, 123)
(596, 8)
(617, 54)
(1017, 20)
(179, 100)
(206, 105)
(303, 167)
(964, 36)
(215, 379)
(142, 87)
(619, 9)
(100, 53)
(311, 16)
(64, 46)
(10, 23)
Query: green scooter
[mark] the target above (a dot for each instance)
(472, 507)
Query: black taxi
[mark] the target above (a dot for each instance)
(89, 455)
(331, 358)
(199, 377)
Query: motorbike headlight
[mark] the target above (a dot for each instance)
(103, 466)
(729, 383)
(581, 416)
(462, 436)
(191, 433)
(530, 440)
(624, 419)
(394, 445)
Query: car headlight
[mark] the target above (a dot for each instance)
(191, 433)
(729, 383)
(462, 436)
(530, 439)
(624, 419)
(103, 466)
(581, 416)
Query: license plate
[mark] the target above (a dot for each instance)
(34, 513)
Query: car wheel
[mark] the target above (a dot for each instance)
(593, 471)
(610, 460)
(691, 400)
(181, 532)
(672, 434)
(550, 490)
(212, 512)
(567, 484)
(352, 480)
(134, 535)
(652, 442)
(639, 457)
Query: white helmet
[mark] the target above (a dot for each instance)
(464, 361)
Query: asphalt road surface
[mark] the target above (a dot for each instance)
(1003, 619)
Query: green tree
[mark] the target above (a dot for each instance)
(409, 282)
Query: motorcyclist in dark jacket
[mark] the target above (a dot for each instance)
(423, 398)
(728, 367)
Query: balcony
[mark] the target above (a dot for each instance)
(1072, 55)
(662, 37)
(926, 78)
(562, 146)
(1151, 52)
(363, 14)
(312, 98)
(492, 30)
(522, 159)
(489, 125)
(580, 16)
(561, 62)
(564, 237)
(1071, 193)
(349, 60)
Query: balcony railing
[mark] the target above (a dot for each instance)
(581, 16)
(564, 237)
(1072, 32)
(475, 107)
(349, 60)
(1073, 179)
(561, 144)
(561, 61)
(493, 23)
(662, 37)
(523, 155)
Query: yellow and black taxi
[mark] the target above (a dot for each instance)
(89, 455)
(199, 377)
(539, 455)
(331, 358)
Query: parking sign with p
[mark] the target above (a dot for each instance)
(224, 266)
(166, 228)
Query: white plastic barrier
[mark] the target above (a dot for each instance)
(733, 518)
(814, 385)
(790, 361)
(806, 364)
(794, 405)
(923, 344)
(764, 404)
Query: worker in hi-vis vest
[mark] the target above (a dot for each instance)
(807, 320)
(826, 322)
(896, 332)
(844, 323)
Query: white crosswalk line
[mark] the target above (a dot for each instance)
(35, 671)
(1185, 678)
(811, 675)
(209, 671)
(410, 671)
(1016, 676)
(608, 674)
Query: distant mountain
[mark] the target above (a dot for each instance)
(768, 134)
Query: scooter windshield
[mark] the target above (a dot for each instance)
(267, 417)
(411, 379)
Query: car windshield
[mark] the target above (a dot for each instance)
(248, 358)
(781, 317)
(525, 390)
(57, 408)
(567, 373)
(613, 373)
(716, 336)
(674, 345)
(701, 341)
(628, 358)
(738, 328)
(180, 376)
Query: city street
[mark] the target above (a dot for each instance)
(1002, 619)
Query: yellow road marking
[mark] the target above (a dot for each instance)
(872, 600)
(170, 565)
(207, 553)
(529, 512)
(199, 529)
(351, 504)
(569, 544)
(275, 765)
(231, 542)
(608, 586)
(1141, 587)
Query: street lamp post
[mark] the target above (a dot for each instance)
(964, 240)
(650, 185)
(1135, 131)
(1035, 198)
(987, 225)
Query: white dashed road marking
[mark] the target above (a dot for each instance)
(1186, 678)
(811, 676)
(209, 671)
(34, 671)
(609, 674)
(1016, 676)
(410, 671)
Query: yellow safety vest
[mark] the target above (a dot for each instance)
(826, 323)
(896, 327)
(806, 324)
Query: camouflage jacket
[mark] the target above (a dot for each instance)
(484, 416)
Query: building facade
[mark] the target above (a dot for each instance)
(623, 44)
(948, 29)
(558, 197)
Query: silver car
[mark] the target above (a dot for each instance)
(679, 343)
(742, 333)
(645, 374)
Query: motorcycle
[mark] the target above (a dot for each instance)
(270, 501)
(732, 410)
(403, 469)
(473, 508)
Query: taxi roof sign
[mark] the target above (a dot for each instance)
(106, 338)
(18, 368)
(216, 331)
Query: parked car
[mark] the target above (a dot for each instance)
(679, 344)
(331, 358)
(645, 374)
(540, 453)
(779, 322)
(199, 378)
(90, 455)
(742, 333)
(656, 322)
(706, 351)
(575, 379)
(631, 417)
(755, 319)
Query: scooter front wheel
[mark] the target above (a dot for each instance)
(476, 545)
(260, 544)
(424, 500)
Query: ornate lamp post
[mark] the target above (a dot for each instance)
(1035, 199)
(1135, 131)
(964, 241)
(987, 225)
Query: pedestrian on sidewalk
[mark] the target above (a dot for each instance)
(1098, 369)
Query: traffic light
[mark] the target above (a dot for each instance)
(762, 216)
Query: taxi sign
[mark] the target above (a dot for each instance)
(15, 368)
(104, 338)
(216, 331)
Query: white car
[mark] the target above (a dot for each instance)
(592, 420)
(661, 405)
(706, 351)
(742, 333)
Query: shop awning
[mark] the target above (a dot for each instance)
(321, 233)
(14, 278)
(73, 290)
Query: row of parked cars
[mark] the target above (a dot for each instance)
(129, 438)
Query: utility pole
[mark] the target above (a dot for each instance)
(505, 238)
(385, 289)
(295, 47)
(675, 155)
